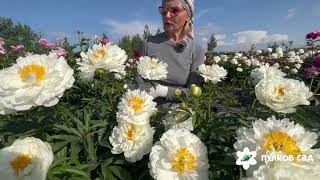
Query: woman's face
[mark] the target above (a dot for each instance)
(174, 16)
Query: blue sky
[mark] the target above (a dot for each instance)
(237, 23)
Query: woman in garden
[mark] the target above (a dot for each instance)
(176, 47)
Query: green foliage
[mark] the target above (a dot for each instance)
(131, 44)
(146, 32)
(212, 43)
(15, 34)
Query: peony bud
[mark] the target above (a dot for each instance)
(177, 92)
(100, 72)
(196, 91)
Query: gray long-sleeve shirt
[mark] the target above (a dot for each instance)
(182, 66)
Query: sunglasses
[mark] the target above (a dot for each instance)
(174, 11)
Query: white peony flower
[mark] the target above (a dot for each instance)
(274, 55)
(291, 60)
(109, 57)
(259, 52)
(291, 54)
(279, 50)
(269, 50)
(136, 107)
(179, 155)
(179, 119)
(216, 59)
(265, 72)
(152, 68)
(234, 61)
(213, 73)
(310, 53)
(224, 58)
(286, 67)
(28, 158)
(298, 66)
(278, 137)
(256, 63)
(282, 95)
(247, 62)
(297, 59)
(132, 140)
(303, 57)
(238, 54)
(36, 80)
(239, 69)
(301, 51)
(294, 70)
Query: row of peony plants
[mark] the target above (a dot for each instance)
(130, 122)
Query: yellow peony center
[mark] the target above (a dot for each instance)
(130, 133)
(281, 142)
(184, 161)
(280, 91)
(20, 163)
(153, 64)
(32, 72)
(136, 103)
(99, 54)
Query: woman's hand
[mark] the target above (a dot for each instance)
(158, 91)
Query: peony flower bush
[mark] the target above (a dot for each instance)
(36, 80)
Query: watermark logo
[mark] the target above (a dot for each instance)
(246, 158)
(284, 157)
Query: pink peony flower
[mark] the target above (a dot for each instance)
(313, 35)
(105, 41)
(96, 38)
(316, 61)
(28, 54)
(311, 71)
(43, 41)
(50, 46)
(2, 50)
(60, 52)
(17, 48)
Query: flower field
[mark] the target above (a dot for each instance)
(72, 111)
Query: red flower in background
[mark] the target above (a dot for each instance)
(136, 54)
